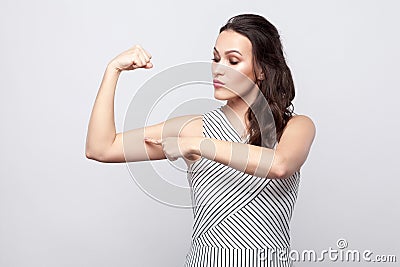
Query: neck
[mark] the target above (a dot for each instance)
(239, 107)
(235, 110)
(241, 104)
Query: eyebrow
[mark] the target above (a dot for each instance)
(229, 51)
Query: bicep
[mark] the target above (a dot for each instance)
(295, 143)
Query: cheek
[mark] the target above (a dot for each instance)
(242, 72)
(240, 79)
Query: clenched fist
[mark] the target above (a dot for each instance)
(133, 58)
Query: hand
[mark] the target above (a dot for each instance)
(133, 58)
(175, 147)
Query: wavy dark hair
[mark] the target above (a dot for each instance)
(277, 87)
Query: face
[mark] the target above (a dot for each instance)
(233, 65)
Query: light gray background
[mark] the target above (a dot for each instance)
(58, 208)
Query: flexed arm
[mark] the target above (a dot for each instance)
(102, 142)
(101, 134)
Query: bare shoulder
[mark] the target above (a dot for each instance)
(301, 121)
(300, 125)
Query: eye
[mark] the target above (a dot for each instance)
(232, 62)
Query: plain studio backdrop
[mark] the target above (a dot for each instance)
(58, 208)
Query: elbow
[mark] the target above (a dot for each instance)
(281, 172)
(90, 154)
(279, 168)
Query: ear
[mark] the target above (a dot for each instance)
(260, 73)
(261, 76)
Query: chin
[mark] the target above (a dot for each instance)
(223, 95)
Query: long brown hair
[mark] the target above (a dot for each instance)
(277, 87)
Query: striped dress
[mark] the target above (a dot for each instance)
(239, 219)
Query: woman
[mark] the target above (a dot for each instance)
(244, 172)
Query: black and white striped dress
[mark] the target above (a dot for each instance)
(239, 219)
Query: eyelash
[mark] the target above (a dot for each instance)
(233, 63)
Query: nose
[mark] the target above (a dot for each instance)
(217, 69)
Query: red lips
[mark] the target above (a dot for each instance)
(218, 81)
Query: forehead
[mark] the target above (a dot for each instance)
(229, 39)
